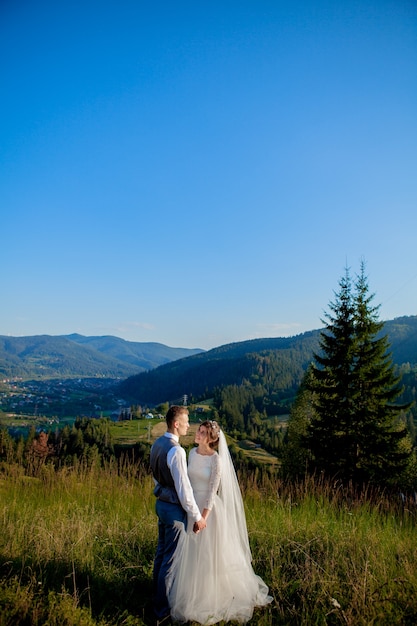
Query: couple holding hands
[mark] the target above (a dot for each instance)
(202, 567)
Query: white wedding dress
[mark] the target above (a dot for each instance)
(211, 576)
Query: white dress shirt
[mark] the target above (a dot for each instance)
(177, 463)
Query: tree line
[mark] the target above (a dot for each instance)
(87, 443)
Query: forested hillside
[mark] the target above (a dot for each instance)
(273, 368)
(77, 356)
(274, 365)
(402, 336)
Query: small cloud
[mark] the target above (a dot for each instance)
(278, 328)
(127, 326)
(131, 329)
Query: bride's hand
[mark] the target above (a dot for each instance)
(199, 525)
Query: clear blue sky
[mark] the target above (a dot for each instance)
(201, 172)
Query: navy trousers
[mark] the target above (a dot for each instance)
(167, 542)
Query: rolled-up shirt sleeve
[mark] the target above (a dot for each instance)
(177, 463)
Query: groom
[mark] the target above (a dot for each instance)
(175, 499)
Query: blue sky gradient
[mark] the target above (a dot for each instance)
(198, 173)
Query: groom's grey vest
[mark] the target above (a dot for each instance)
(165, 489)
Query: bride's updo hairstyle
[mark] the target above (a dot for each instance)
(213, 431)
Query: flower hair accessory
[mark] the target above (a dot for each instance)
(215, 427)
(213, 431)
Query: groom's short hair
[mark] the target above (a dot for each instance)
(173, 412)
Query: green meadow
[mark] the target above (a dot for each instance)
(77, 544)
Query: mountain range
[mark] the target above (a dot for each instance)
(72, 356)
(153, 372)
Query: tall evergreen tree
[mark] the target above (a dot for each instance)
(355, 432)
(331, 384)
(381, 449)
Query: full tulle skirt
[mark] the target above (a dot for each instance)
(211, 576)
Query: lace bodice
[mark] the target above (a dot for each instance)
(204, 472)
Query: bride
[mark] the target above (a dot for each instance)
(211, 577)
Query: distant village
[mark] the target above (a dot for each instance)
(23, 403)
(45, 403)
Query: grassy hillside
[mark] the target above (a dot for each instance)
(77, 546)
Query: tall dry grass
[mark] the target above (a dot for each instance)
(334, 556)
(77, 546)
(86, 534)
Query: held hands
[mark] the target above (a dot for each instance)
(200, 525)
(203, 522)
